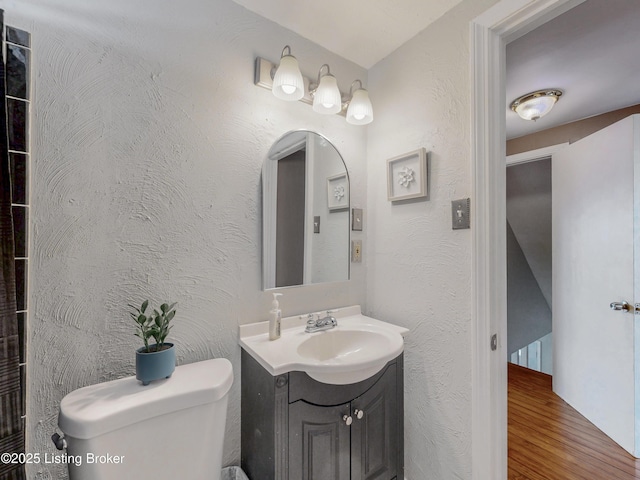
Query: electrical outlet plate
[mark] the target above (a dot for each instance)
(460, 213)
(356, 251)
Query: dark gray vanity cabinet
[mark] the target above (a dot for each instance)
(295, 428)
(319, 442)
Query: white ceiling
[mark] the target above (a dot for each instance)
(363, 31)
(592, 52)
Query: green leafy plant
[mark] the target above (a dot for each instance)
(155, 325)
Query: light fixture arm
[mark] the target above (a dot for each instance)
(286, 47)
(351, 89)
(274, 68)
(314, 86)
(320, 72)
(347, 100)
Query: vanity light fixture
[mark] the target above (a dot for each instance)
(327, 98)
(359, 110)
(535, 105)
(287, 80)
(287, 83)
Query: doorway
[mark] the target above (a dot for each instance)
(290, 208)
(540, 58)
(490, 33)
(529, 286)
(505, 22)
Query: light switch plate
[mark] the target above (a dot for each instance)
(460, 213)
(356, 251)
(316, 224)
(356, 219)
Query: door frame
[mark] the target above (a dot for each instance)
(489, 34)
(534, 155)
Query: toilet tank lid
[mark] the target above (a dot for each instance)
(98, 409)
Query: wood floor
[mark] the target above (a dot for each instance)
(549, 440)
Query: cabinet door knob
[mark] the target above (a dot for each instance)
(347, 419)
(358, 413)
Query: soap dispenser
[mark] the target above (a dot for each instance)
(275, 318)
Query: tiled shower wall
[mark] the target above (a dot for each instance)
(18, 56)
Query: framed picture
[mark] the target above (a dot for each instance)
(407, 176)
(338, 192)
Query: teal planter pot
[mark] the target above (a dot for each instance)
(155, 365)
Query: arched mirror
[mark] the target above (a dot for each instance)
(305, 223)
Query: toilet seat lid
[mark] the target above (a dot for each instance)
(98, 409)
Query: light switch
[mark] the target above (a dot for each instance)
(316, 224)
(356, 219)
(460, 212)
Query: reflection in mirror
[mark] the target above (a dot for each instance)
(305, 201)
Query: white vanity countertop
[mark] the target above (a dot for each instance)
(359, 345)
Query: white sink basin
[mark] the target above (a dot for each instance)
(358, 348)
(348, 345)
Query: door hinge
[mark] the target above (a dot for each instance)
(494, 342)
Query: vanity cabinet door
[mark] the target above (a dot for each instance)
(374, 437)
(319, 442)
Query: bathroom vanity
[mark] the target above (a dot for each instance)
(295, 427)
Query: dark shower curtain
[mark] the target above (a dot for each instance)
(11, 430)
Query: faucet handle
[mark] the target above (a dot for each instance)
(310, 320)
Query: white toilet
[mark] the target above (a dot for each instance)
(170, 429)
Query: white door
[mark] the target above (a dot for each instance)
(594, 226)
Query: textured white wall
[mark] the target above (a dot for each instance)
(148, 137)
(419, 269)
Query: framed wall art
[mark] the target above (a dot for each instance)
(407, 176)
(338, 192)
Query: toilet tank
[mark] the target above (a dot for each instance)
(169, 429)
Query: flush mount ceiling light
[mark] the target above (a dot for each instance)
(535, 105)
(287, 80)
(359, 111)
(287, 83)
(327, 98)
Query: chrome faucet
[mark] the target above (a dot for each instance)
(320, 324)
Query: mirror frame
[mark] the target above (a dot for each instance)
(269, 211)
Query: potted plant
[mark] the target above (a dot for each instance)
(156, 360)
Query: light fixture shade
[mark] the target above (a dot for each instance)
(360, 111)
(535, 105)
(535, 108)
(287, 82)
(327, 98)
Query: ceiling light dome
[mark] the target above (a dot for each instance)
(535, 105)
